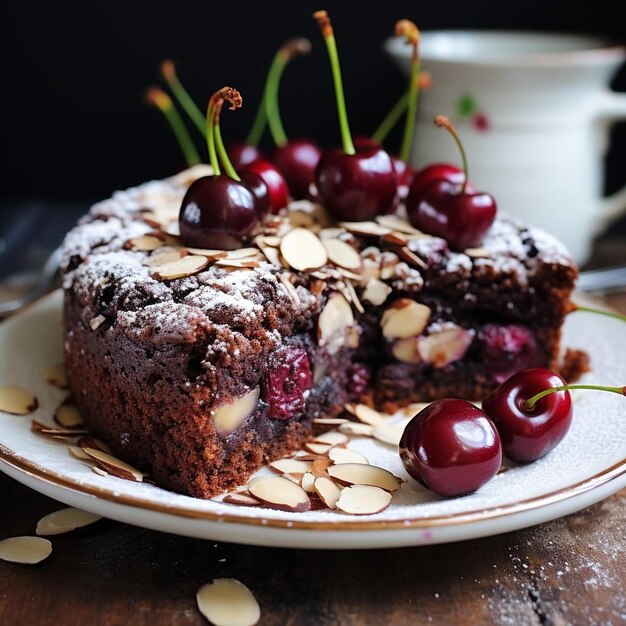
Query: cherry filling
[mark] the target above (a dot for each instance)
(286, 382)
(359, 376)
(508, 349)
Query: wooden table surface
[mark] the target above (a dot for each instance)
(570, 571)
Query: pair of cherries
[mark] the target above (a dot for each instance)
(453, 447)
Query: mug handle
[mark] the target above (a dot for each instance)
(610, 108)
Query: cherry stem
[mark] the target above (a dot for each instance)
(529, 405)
(443, 122)
(391, 119)
(163, 102)
(214, 135)
(412, 34)
(168, 70)
(269, 111)
(326, 28)
(589, 309)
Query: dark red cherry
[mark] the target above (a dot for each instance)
(451, 447)
(509, 348)
(363, 141)
(461, 218)
(218, 212)
(259, 188)
(404, 172)
(356, 187)
(242, 154)
(286, 381)
(437, 171)
(296, 161)
(276, 184)
(526, 434)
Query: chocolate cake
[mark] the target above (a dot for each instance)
(200, 365)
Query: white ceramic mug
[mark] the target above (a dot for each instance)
(533, 111)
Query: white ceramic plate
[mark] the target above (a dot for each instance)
(589, 465)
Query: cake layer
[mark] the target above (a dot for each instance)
(199, 365)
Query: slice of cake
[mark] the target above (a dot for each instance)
(200, 365)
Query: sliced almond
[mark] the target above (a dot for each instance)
(227, 602)
(212, 255)
(405, 350)
(242, 253)
(56, 376)
(280, 493)
(272, 241)
(90, 442)
(97, 470)
(65, 521)
(52, 431)
(96, 322)
(345, 455)
(411, 258)
(319, 467)
(333, 322)
(238, 263)
(185, 266)
(328, 491)
(356, 429)
(17, 401)
(229, 417)
(354, 298)
(362, 474)
(332, 438)
(376, 291)
(67, 415)
(332, 232)
(294, 478)
(343, 254)
(272, 255)
(114, 466)
(479, 253)
(395, 222)
(240, 499)
(308, 481)
(144, 243)
(365, 229)
(388, 433)
(290, 466)
(289, 288)
(78, 453)
(329, 421)
(166, 254)
(445, 346)
(366, 414)
(396, 238)
(404, 318)
(303, 250)
(317, 448)
(363, 500)
(26, 550)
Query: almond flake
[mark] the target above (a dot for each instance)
(332, 438)
(329, 421)
(96, 470)
(333, 322)
(317, 448)
(294, 478)
(238, 263)
(362, 474)
(240, 499)
(354, 298)
(478, 252)
(67, 415)
(394, 222)
(308, 481)
(303, 250)
(229, 417)
(90, 442)
(343, 254)
(26, 550)
(319, 467)
(365, 229)
(242, 253)
(114, 466)
(376, 292)
(164, 255)
(363, 500)
(272, 255)
(65, 521)
(17, 401)
(396, 238)
(404, 318)
(411, 258)
(185, 266)
(366, 414)
(345, 455)
(272, 241)
(227, 602)
(96, 322)
(290, 289)
(356, 428)
(388, 433)
(405, 350)
(56, 376)
(445, 346)
(52, 431)
(331, 233)
(212, 255)
(290, 466)
(280, 493)
(144, 243)
(78, 453)
(328, 491)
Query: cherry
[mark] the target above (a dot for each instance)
(163, 102)
(352, 184)
(297, 160)
(451, 447)
(436, 171)
(221, 211)
(287, 379)
(259, 188)
(242, 154)
(532, 411)
(403, 171)
(278, 192)
(452, 213)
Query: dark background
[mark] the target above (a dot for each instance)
(74, 73)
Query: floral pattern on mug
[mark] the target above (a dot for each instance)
(467, 107)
